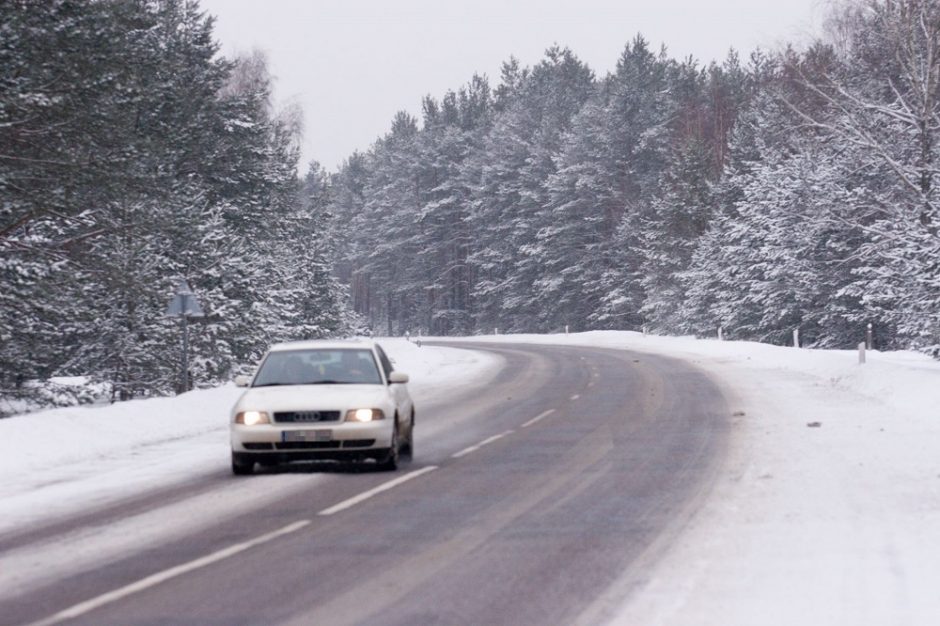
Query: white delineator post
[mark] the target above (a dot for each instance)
(861, 353)
(796, 337)
(721, 335)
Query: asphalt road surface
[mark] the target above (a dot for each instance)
(540, 497)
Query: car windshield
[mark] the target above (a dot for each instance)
(319, 367)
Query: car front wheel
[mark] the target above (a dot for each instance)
(242, 466)
(390, 464)
(408, 448)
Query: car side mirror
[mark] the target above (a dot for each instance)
(397, 378)
(242, 381)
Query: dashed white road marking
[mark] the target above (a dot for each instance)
(160, 577)
(155, 579)
(538, 418)
(476, 447)
(464, 452)
(365, 495)
(575, 397)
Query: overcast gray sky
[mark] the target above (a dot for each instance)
(352, 64)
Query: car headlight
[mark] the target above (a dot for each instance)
(364, 415)
(252, 418)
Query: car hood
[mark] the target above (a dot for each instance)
(313, 397)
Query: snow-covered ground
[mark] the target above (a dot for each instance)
(827, 510)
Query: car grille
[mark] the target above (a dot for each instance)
(307, 445)
(358, 443)
(305, 417)
(323, 445)
(258, 446)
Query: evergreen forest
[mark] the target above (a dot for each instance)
(757, 195)
(774, 190)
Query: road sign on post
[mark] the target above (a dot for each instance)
(184, 302)
(184, 305)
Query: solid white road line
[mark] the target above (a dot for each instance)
(476, 447)
(173, 572)
(365, 495)
(538, 418)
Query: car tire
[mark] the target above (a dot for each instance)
(242, 467)
(390, 464)
(408, 450)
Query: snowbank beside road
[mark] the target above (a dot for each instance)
(62, 460)
(829, 511)
(828, 508)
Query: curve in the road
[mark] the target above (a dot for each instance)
(555, 483)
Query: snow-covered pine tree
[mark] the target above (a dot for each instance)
(637, 113)
(450, 134)
(312, 301)
(669, 233)
(883, 98)
(133, 157)
(387, 240)
(519, 158)
(784, 244)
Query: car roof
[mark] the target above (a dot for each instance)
(324, 344)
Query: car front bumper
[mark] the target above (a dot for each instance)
(281, 443)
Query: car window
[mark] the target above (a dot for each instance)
(386, 362)
(319, 366)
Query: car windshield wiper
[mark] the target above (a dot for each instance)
(272, 384)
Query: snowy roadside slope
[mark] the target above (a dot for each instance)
(836, 524)
(63, 460)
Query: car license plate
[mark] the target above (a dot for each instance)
(307, 435)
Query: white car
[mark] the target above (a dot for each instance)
(316, 400)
